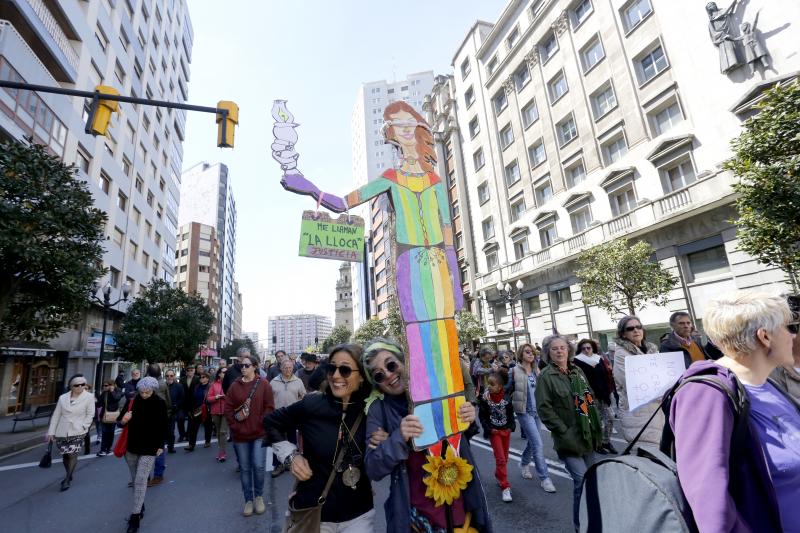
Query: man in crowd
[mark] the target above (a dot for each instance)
(286, 389)
(309, 368)
(177, 413)
(275, 368)
(130, 386)
(680, 339)
(188, 381)
(120, 381)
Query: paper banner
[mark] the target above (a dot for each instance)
(325, 238)
(648, 376)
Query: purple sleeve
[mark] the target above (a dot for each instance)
(702, 420)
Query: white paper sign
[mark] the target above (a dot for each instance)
(648, 376)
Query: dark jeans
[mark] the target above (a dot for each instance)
(194, 428)
(107, 439)
(252, 458)
(181, 419)
(171, 432)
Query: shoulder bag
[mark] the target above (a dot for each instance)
(309, 520)
(109, 417)
(121, 446)
(243, 411)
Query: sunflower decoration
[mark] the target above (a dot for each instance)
(448, 476)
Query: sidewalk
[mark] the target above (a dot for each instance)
(25, 436)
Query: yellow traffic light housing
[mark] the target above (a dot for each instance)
(226, 124)
(100, 115)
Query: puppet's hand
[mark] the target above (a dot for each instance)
(297, 183)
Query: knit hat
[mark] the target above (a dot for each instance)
(147, 383)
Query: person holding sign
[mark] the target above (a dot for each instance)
(631, 342)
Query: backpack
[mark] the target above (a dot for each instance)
(639, 490)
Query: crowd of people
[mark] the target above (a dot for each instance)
(342, 422)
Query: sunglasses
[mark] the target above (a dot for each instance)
(76, 385)
(344, 370)
(631, 328)
(391, 366)
(587, 347)
(246, 365)
(793, 327)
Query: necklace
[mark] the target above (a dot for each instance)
(351, 473)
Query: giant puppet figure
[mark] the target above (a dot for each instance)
(427, 276)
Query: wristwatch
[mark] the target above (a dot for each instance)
(287, 463)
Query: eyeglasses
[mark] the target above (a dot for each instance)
(391, 366)
(246, 365)
(631, 328)
(586, 347)
(793, 327)
(170, 375)
(76, 385)
(344, 370)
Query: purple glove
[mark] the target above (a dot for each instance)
(297, 183)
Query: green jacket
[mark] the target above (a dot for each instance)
(556, 409)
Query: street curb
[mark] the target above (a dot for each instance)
(20, 445)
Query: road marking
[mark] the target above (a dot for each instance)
(517, 456)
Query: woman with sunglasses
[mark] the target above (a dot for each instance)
(215, 399)
(631, 342)
(70, 424)
(332, 430)
(598, 371)
(248, 400)
(198, 413)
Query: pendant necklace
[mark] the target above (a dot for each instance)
(351, 474)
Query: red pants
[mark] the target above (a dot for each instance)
(501, 439)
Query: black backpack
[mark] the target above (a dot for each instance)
(639, 490)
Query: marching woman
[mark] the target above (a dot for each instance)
(70, 424)
(109, 402)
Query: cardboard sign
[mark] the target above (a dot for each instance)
(648, 376)
(324, 238)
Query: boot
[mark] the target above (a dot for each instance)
(141, 513)
(133, 523)
(65, 484)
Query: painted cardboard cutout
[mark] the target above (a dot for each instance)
(427, 275)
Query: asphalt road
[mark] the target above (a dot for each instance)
(201, 495)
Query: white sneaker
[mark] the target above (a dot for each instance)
(248, 509)
(526, 472)
(547, 485)
(507, 495)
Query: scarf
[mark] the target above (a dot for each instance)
(585, 410)
(590, 360)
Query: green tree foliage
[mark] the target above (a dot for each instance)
(620, 278)
(230, 350)
(469, 329)
(394, 321)
(369, 330)
(164, 324)
(767, 162)
(340, 334)
(50, 243)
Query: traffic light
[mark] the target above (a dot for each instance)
(226, 126)
(100, 114)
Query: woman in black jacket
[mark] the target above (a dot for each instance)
(109, 404)
(146, 418)
(327, 424)
(598, 373)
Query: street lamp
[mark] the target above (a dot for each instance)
(510, 295)
(106, 304)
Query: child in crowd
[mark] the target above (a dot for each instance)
(497, 421)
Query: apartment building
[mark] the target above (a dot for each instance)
(582, 121)
(197, 266)
(142, 48)
(294, 333)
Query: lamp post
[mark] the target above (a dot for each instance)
(511, 295)
(106, 304)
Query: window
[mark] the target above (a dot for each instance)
(139, 184)
(133, 250)
(566, 130)
(521, 247)
(469, 97)
(102, 40)
(677, 175)
(635, 13)
(126, 166)
(650, 64)
(576, 174)
(118, 237)
(560, 298)
(113, 277)
(506, 136)
(148, 228)
(547, 234)
(521, 77)
(145, 259)
(137, 216)
(474, 127)
(615, 149)
(459, 241)
(533, 305)
(709, 262)
(557, 87)
(530, 113)
(119, 72)
(580, 218)
(455, 211)
(83, 161)
(150, 198)
(122, 200)
(581, 12)
(603, 100)
(622, 200)
(104, 182)
(666, 118)
(592, 54)
(512, 173)
(478, 159)
(548, 47)
(483, 192)
(491, 260)
(537, 154)
(487, 226)
(157, 239)
(512, 38)
(517, 209)
(543, 192)
(500, 101)
(491, 66)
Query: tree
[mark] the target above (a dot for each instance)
(164, 324)
(620, 278)
(767, 162)
(469, 328)
(230, 350)
(369, 330)
(394, 321)
(339, 335)
(50, 243)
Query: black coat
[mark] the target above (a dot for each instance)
(146, 426)
(598, 378)
(177, 395)
(233, 373)
(109, 401)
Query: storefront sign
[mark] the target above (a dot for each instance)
(324, 238)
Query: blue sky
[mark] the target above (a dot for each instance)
(315, 54)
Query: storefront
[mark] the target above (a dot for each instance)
(30, 377)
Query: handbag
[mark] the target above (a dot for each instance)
(308, 520)
(47, 459)
(243, 411)
(109, 417)
(121, 446)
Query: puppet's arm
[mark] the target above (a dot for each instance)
(297, 183)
